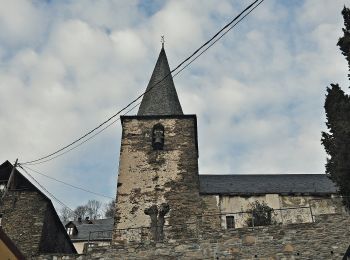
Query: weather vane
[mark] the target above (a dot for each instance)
(162, 40)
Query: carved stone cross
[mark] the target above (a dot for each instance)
(157, 220)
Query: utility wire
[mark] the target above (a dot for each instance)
(49, 193)
(229, 29)
(212, 38)
(132, 102)
(68, 184)
(79, 144)
(210, 45)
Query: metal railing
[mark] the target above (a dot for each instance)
(98, 238)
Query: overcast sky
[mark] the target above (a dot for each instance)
(66, 66)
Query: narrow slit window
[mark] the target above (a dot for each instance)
(230, 222)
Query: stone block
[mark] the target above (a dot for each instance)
(248, 240)
(234, 250)
(288, 248)
(232, 241)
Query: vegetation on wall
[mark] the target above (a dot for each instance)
(260, 214)
(336, 140)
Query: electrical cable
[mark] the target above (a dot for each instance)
(49, 193)
(79, 144)
(68, 184)
(132, 102)
(217, 39)
(213, 37)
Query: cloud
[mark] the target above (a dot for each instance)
(65, 66)
(21, 23)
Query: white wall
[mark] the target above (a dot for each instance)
(287, 208)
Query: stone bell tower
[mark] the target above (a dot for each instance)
(158, 186)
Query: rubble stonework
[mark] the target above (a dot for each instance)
(29, 221)
(324, 239)
(23, 220)
(149, 177)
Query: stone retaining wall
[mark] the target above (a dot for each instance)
(327, 238)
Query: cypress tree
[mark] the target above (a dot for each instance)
(337, 140)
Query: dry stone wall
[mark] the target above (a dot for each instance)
(327, 239)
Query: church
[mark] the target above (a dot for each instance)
(162, 197)
(165, 209)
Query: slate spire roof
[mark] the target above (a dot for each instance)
(161, 98)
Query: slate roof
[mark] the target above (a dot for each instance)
(84, 229)
(266, 184)
(23, 184)
(162, 98)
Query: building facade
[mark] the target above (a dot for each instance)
(29, 219)
(89, 233)
(166, 210)
(160, 190)
(158, 171)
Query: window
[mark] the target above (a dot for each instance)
(2, 187)
(230, 222)
(70, 231)
(89, 245)
(158, 137)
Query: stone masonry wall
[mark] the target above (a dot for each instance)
(151, 177)
(327, 238)
(23, 219)
(287, 208)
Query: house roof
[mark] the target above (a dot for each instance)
(23, 184)
(161, 97)
(10, 245)
(84, 229)
(245, 184)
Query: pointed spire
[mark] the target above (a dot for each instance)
(161, 99)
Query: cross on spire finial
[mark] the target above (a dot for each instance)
(162, 40)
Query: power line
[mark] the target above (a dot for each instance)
(132, 102)
(86, 140)
(68, 184)
(76, 141)
(215, 35)
(229, 29)
(49, 193)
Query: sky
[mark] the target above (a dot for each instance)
(66, 66)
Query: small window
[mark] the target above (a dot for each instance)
(70, 231)
(230, 222)
(158, 137)
(2, 189)
(89, 245)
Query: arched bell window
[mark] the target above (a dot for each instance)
(158, 137)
